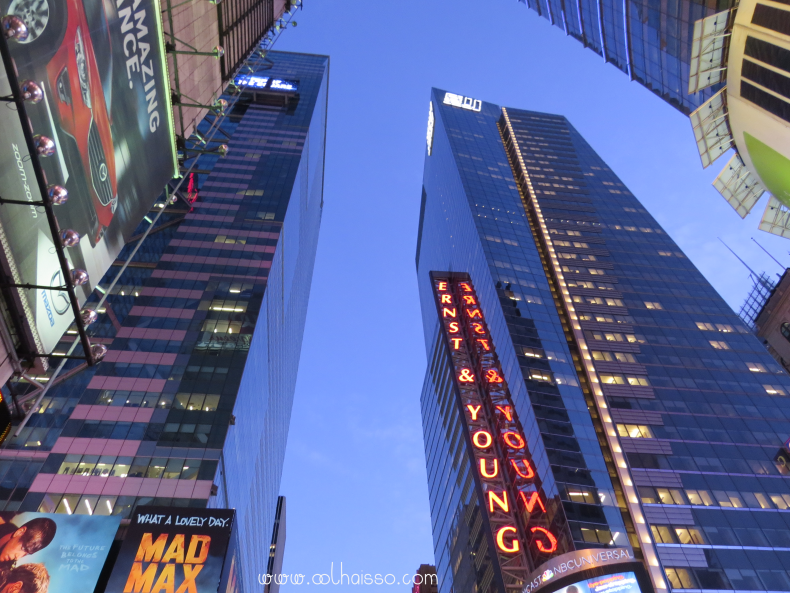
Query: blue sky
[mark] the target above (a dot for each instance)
(354, 475)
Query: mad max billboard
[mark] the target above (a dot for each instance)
(176, 550)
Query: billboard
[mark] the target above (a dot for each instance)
(176, 549)
(61, 553)
(106, 105)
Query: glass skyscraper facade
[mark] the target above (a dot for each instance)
(192, 403)
(649, 41)
(653, 417)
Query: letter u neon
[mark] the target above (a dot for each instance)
(484, 470)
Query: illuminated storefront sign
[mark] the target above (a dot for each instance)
(431, 120)
(462, 102)
(512, 494)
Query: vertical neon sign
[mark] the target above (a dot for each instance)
(511, 490)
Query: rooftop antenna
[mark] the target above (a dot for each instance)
(753, 273)
(769, 255)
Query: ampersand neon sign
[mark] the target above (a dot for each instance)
(466, 376)
(492, 376)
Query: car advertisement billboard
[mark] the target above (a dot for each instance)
(176, 549)
(59, 553)
(106, 106)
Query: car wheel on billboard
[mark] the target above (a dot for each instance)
(46, 22)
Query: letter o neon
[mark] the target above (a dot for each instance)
(552, 541)
(500, 540)
(486, 437)
(510, 436)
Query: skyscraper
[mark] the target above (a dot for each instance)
(647, 41)
(586, 389)
(725, 64)
(192, 403)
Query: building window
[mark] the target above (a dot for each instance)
(610, 379)
(774, 390)
(653, 305)
(785, 329)
(719, 345)
(662, 534)
(635, 431)
(613, 356)
(681, 578)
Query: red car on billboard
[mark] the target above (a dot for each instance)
(70, 40)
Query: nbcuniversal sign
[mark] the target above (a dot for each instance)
(573, 563)
(510, 489)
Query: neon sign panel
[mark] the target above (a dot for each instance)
(511, 490)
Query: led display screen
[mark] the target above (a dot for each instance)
(65, 551)
(621, 582)
(253, 82)
(105, 104)
(250, 81)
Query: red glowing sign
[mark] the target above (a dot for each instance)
(498, 499)
(514, 440)
(514, 545)
(513, 498)
(547, 549)
(484, 468)
(482, 439)
(493, 377)
(473, 410)
(466, 376)
(527, 473)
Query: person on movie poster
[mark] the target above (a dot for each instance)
(28, 578)
(64, 552)
(16, 542)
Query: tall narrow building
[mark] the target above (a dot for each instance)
(192, 403)
(594, 413)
